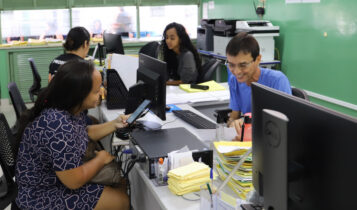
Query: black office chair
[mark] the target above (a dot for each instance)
(8, 187)
(208, 70)
(151, 49)
(16, 99)
(18, 103)
(35, 89)
(299, 93)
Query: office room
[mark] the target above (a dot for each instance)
(311, 43)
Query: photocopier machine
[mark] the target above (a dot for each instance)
(214, 35)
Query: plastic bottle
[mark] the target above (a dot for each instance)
(161, 171)
(222, 117)
(220, 128)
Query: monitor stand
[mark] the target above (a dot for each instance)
(275, 160)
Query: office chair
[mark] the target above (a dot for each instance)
(8, 187)
(151, 49)
(299, 93)
(18, 103)
(35, 89)
(208, 70)
(16, 99)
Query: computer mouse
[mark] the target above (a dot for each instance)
(150, 125)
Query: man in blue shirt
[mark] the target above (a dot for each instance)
(243, 60)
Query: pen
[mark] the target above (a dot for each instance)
(211, 177)
(210, 193)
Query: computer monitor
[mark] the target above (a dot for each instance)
(151, 79)
(113, 43)
(316, 152)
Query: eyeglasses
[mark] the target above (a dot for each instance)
(241, 66)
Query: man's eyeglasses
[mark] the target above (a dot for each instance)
(241, 66)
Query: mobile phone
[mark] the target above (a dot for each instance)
(201, 87)
(137, 113)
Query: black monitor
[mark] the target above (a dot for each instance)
(113, 43)
(304, 155)
(151, 79)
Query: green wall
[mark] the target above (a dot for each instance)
(312, 61)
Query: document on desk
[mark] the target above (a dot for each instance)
(183, 98)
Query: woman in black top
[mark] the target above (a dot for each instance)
(183, 61)
(76, 46)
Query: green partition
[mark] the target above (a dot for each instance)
(14, 65)
(316, 44)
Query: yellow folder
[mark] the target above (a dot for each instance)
(213, 86)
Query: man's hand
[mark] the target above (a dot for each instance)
(238, 126)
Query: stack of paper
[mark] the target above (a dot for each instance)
(188, 178)
(229, 153)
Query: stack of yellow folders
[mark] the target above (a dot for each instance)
(188, 178)
(229, 154)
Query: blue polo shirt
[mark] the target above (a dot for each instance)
(240, 93)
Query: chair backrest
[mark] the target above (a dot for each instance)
(36, 85)
(150, 49)
(7, 162)
(16, 99)
(7, 150)
(208, 70)
(299, 93)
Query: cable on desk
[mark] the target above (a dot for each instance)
(170, 121)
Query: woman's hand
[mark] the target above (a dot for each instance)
(120, 122)
(105, 156)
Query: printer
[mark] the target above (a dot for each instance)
(205, 35)
(262, 30)
(223, 31)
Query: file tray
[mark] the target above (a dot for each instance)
(156, 144)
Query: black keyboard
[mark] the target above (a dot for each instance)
(194, 119)
(251, 207)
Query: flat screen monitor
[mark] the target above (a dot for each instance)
(316, 151)
(151, 84)
(113, 43)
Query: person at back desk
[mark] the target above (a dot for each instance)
(76, 46)
(177, 50)
(243, 58)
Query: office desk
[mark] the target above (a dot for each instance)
(144, 194)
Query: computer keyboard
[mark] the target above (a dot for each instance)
(251, 207)
(194, 119)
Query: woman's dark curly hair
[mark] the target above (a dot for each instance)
(185, 44)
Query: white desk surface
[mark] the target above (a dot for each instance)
(144, 194)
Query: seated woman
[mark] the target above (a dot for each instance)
(76, 46)
(183, 61)
(49, 169)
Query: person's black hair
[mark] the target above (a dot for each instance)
(245, 43)
(185, 43)
(76, 37)
(66, 91)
